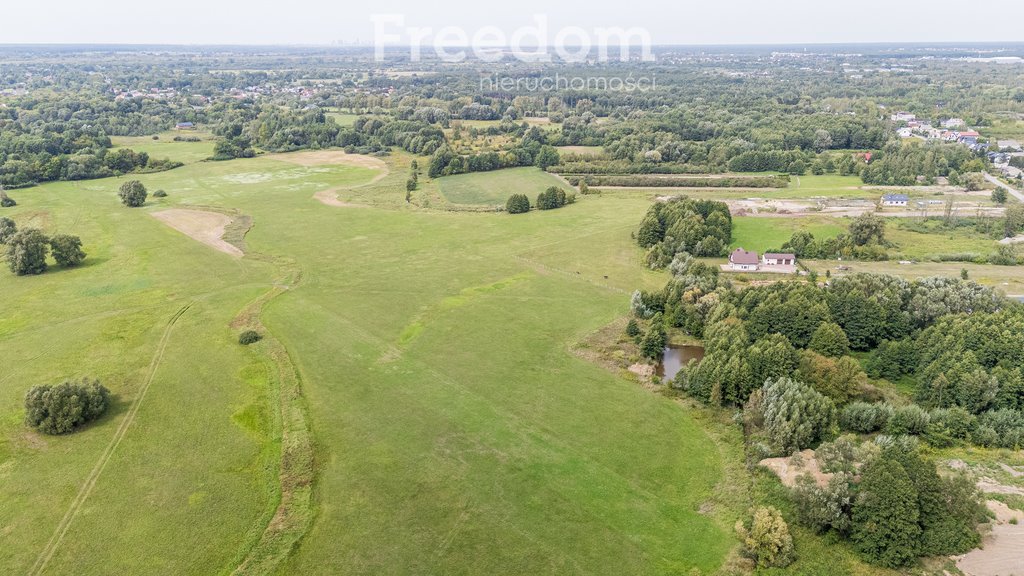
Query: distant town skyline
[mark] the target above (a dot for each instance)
(668, 22)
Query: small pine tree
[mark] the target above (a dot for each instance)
(517, 204)
(632, 329)
(249, 337)
(885, 515)
(653, 343)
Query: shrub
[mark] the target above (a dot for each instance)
(6, 201)
(839, 455)
(159, 194)
(986, 436)
(956, 422)
(62, 408)
(910, 419)
(133, 194)
(865, 418)
(517, 204)
(795, 415)
(1008, 425)
(26, 252)
(767, 541)
(67, 249)
(7, 229)
(553, 197)
(249, 337)
(824, 507)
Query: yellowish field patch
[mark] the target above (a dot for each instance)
(206, 227)
(330, 158)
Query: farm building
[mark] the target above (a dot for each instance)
(741, 259)
(185, 126)
(778, 259)
(895, 200)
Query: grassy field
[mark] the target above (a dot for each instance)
(166, 147)
(343, 118)
(494, 188)
(433, 350)
(761, 234)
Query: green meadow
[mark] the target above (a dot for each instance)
(166, 147)
(455, 432)
(494, 188)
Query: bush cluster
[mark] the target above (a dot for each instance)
(63, 408)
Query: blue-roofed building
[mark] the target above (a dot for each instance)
(895, 200)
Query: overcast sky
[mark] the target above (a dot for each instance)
(667, 21)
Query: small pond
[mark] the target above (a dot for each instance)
(675, 357)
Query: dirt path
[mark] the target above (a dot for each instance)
(294, 513)
(1013, 191)
(90, 482)
(336, 158)
(201, 225)
(330, 196)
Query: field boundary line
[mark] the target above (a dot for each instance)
(122, 430)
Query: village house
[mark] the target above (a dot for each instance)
(953, 123)
(745, 260)
(903, 117)
(778, 259)
(968, 137)
(895, 200)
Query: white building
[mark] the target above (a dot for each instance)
(778, 259)
(895, 200)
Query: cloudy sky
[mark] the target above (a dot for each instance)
(667, 21)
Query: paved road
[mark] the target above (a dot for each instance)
(1013, 191)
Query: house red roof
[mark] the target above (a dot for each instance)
(741, 256)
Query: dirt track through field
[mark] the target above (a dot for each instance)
(90, 482)
(334, 158)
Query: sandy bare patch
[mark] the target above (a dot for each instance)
(642, 370)
(330, 158)
(1002, 552)
(330, 198)
(788, 471)
(206, 227)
